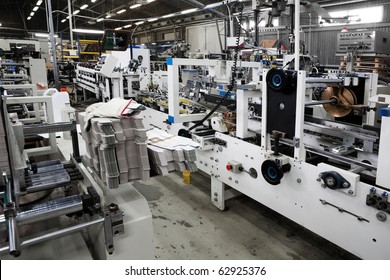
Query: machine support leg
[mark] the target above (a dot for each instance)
(218, 193)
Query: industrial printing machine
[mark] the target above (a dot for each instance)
(314, 149)
(310, 145)
(54, 206)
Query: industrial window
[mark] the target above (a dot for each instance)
(354, 16)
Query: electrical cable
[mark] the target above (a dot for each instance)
(233, 78)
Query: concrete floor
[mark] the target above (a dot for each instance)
(187, 226)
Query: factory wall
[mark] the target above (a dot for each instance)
(205, 37)
(321, 41)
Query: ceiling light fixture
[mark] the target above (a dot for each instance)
(84, 7)
(63, 20)
(168, 16)
(29, 18)
(76, 12)
(150, 1)
(135, 6)
(118, 28)
(32, 14)
(67, 17)
(39, 2)
(121, 11)
(108, 16)
(152, 19)
(189, 11)
(93, 1)
(100, 19)
(44, 35)
(139, 22)
(35, 8)
(88, 31)
(127, 26)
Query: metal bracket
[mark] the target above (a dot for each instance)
(10, 210)
(297, 142)
(334, 180)
(113, 225)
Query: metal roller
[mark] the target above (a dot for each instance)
(345, 97)
(51, 209)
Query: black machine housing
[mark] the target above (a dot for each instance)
(281, 102)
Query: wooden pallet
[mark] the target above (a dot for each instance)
(376, 65)
(371, 59)
(381, 72)
(368, 65)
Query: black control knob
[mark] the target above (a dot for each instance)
(272, 172)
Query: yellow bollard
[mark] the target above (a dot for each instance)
(187, 177)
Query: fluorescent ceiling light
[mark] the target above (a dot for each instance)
(189, 11)
(99, 19)
(44, 35)
(84, 7)
(121, 11)
(139, 22)
(67, 17)
(76, 12)
(32, 14)
(150, 1)
(63, 20)
(167, 16)
(93, 1)
(35, 8)
(118, 28)
(108, 16)
(135, 6)
(28, 18)
(127, 26)
(152, 19)
(88, 31)
(39, 2)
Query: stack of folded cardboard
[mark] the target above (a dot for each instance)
(117, 149)
(169, 153)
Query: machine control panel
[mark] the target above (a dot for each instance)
(106, 65)
(234, 167)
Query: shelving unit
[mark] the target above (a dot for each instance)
(85, 50)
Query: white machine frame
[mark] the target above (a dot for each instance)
(174, 115)
(341, 216)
